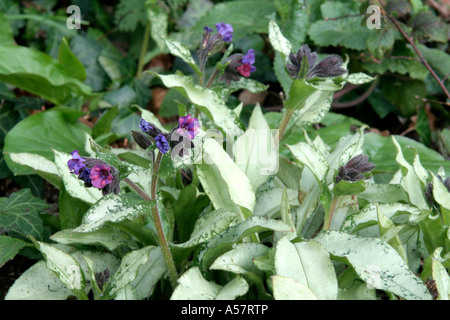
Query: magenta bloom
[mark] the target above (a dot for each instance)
(100, 176)
(76, 163)
(248, 60)
(225, 30)
(189, 124)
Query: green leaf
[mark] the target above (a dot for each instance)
(107, 236)
(103, 124)
(129, 14)
(347, 32)
(129, 268)
(179, 50)
(309, 264)
(65, 267)
(112, 208)
(20, 214)
(256, 151)
(70, 62)
(159, 22)
(38, 133)
(389, 234)
(6, 37)
(207, 101)
(71, 210)
(235, 190)
(440, 275)
(349, 188)
(9, 247)
(299, 92)
(314, 109)
(380, 41)
(310, 157)
(377, 263)
(38, 73)
(192, 285)
(209, 226)
(285, 288)
(442, 197)
(278, 41)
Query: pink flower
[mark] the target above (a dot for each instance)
(100, 176)
(189, 124)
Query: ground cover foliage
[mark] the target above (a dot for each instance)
(252, 150)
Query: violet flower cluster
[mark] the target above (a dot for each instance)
(94, 173)
(354, 169)
(188, 127)
(237, 65)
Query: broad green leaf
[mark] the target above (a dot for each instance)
(310, 157)
(207, 101)
(181, 51)
(128, 269)
(158, 18)
(39, 133)
(368, 215)
(377, 263)
(347, 32)
(103, 124)
(240, 260)
(226, 239)
(347, 188)
(74, 186)
(209, 226)
(64, 266)
(299, 93)
(38, 73)
(248, 84)
(126, 293)
(278, 41)
(285, 288)
(9, 247)
(192, 286)
(411, 178)
(314, 109)
(107, 236)
(70, 62)
(440, 275)
(41, 165)
(71, 210)
(112, 208)
(236, 188)
(442, 197)
(389, 234)
(6, 37)
(256, 151)
(38, 283)
(268, 201)
(358, 78)
(309, 264)
(19, 213)
(380, 41)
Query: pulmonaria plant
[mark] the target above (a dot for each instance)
(239, 65)
(303, 65)
(95, 173)
(188, 127)
(213, 43)
(354, 169)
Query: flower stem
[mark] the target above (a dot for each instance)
(212, 77)
(284, 123)
(159, 229)
(328, 219)
(143, 50)
(167, 255)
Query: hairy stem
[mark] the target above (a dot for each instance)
(159, 229)
(327, 223)
(284, 123)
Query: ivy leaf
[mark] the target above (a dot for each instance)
(9, 247)
(380, 41)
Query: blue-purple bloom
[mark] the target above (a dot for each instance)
(161, 143)
(84, 175)
(225, 30)
(145, 126)
(76, 163)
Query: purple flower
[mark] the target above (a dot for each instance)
(145, 126)
(76, 163)
(100, 176)
(162, 144)
(225, 30)
(249, 58)
(84, 175)
(190, 124)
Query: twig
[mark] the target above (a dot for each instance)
(434, 101)
(422, 59)
(364, 96)
(405, 57)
